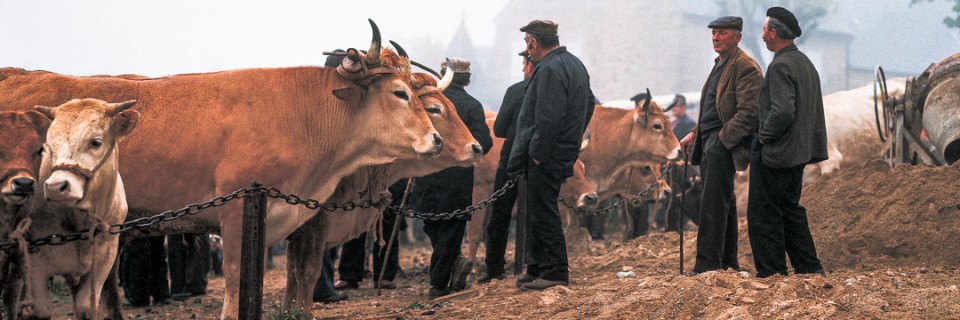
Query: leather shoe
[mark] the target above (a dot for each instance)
(333, 298)
(340, 285)
(490, 276)
(540, 284)
(387, 284)
(524, 279)
(437, 292)
(461, 269)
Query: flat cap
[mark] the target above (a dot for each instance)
(524, 54)
(541, 27)
(728, 22)
(334, 61)
(457, 65)
(786, 17)
(678, 100)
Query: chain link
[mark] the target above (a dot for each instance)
(635, 199)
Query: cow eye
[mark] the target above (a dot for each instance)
(401, 94)
(96, 142)
(647, 170)
(433, 109)
(657, 127)
(39, 152)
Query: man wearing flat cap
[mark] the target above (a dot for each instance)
(451, 189)
(498, 225)
(792, 133)
(556, 109)
(721, 143)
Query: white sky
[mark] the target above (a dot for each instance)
(157, 38)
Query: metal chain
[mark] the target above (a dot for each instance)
(635, 199)
(193, 209)
(459, 212)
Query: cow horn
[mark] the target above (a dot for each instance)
(373, 56)
(447, 79)
(425, 68)
(646, 104)
(116, 108)
(404, 58)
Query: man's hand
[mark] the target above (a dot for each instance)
(686, 144)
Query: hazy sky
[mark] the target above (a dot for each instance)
(156, 38)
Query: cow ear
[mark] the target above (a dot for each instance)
(124, 122)
(39, 121)
(50, 112)
(350, 94)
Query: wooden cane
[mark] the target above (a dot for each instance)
(393, 234)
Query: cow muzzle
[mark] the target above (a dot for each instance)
(675, 154)
(64, 187)
(431, 147)
(19, 188)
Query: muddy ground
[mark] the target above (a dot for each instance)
(889, 239)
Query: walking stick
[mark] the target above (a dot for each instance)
(393, 234)
(681, 220)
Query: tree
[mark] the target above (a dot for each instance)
(950, 22)
(808, 12)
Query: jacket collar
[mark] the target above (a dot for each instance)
(790, 47)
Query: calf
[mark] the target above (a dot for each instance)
(22, 134)
(82, 190)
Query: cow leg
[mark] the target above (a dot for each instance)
(42, 300)
(304, 264)
(11, 288)
(475, 228)
(231, 230)
(110, 295)
(86, 295)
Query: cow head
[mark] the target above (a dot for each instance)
(579, 188)
(641, 183)
(21, 148)
(80, 151)
(463, 148)
(653, 131)
(379, 82)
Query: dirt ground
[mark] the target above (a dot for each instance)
(887, 237)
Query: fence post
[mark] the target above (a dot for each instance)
(520, 243)
(251, 255)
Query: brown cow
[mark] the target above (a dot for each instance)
(22, 134)
(640, 187)
(298, 129)
(82, 191)
(575, 192)
(307, 244)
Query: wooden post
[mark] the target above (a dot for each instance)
(251, 255)
(520, 241)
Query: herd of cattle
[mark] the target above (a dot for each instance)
(331, 134)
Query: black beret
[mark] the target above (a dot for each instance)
(541, 27)
(640, 97)
(728, 22)
(334, 61)
(786, 17)
(524, 54)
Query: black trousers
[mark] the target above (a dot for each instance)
(188, 255)
(546, 246)
(446, 236)
(143, 271)
(776, 221)
(352, 259)
(354, 252)
(498, 225)
(717, 233)
(324, 287)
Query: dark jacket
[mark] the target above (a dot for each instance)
(557, 107)
(683, 127)
(506, 124)
(792, 127)
(737, 98)
(452, 188)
